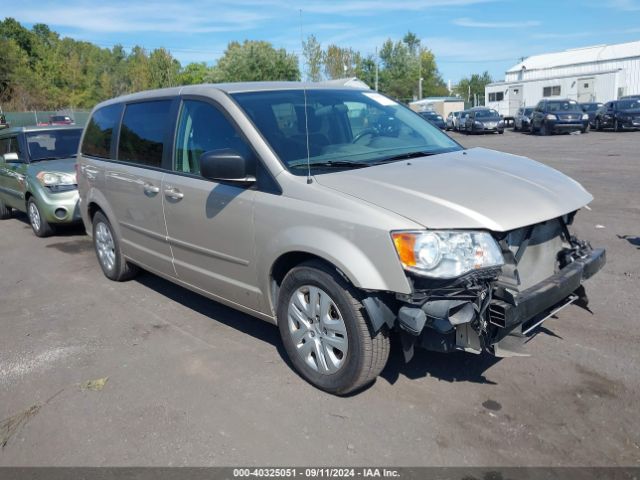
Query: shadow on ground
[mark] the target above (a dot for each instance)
(452, 367)
(60, 230)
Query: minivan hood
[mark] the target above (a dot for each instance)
(62, 165)
(476, 188)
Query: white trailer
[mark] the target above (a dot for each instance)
(592, 74)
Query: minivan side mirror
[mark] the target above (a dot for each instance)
(10, 157)
(228, 166)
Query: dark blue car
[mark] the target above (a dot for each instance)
(619, 115)
(559, 116)
(434, 118)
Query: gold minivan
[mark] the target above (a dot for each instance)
(337, 214)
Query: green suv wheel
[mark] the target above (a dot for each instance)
(5, 212)
(39, 224)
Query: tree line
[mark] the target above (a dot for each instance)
(39, 69)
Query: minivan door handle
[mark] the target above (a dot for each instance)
(173, 193)
(150, 189)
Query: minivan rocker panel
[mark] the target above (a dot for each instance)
(348, 219)
(475, 188)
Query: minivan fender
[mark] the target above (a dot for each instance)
(95, 197)
(386, 274)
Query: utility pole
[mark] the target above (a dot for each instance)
(376, 69)
(420, 79)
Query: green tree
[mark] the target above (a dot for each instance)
(138, 73)
(313, 55)
(163, 69)
(473, 85)
(193, 74)
(404, 64)
(254, 60)
(340, 62)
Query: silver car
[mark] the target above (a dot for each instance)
(337, 214)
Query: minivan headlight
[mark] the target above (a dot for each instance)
(52, 179)
(585, 116)
(446, 253)
(551, 116)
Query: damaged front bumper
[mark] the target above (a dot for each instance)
(478, 313)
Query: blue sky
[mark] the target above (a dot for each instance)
(467, 36)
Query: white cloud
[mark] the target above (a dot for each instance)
(553, 36)
(624, 5)
(468, 22)
(161, 17)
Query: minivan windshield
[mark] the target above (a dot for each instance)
(53, 144)
(346, 128)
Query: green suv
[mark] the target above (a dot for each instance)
(37, 175)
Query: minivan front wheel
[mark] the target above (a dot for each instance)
(107, 247)
(325, 332)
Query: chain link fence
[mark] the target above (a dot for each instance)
(42, 117)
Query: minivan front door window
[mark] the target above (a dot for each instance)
(203, 128)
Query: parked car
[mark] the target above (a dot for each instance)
(558, 116)
(619, 115)
(452, 121)
(37, 175)
(462, 120)
(434, 118)
(522, 119)
(590, 108)
(60, 120)
(483, 120)
(269, 198)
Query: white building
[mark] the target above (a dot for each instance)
(442, 105)
(591, 74)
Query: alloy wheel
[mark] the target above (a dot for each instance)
(34, 216)
(105, 246)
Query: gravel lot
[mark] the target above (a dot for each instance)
(191, 382)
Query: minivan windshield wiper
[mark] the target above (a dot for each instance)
(333, 164)
(403, 156)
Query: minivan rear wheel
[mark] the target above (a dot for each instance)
(107, 247)
(324, 330)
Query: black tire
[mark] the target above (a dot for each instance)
(121, 270)
(515, 127)
(41, 228)
(500, 132)
(5, 211)
(544, 130)
(367, 353)
(616, 126)
(585, 129)
(598, 125)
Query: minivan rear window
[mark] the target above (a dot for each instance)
(143, 131)
(99, 133)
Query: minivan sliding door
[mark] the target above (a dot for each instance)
(209, 224)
